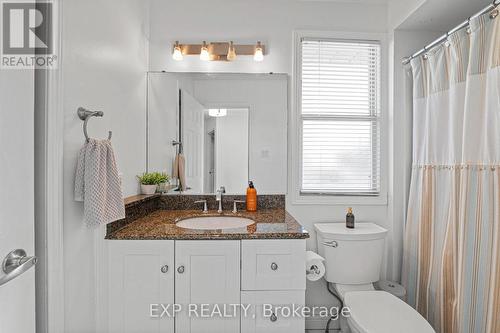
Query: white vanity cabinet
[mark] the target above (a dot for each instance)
(140, 272)
(209, 273)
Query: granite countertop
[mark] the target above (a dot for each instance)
(273, 223)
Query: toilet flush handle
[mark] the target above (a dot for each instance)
(331, 243)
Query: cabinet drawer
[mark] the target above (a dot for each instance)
(273, 264)
(259, 319)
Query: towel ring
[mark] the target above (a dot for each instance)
(179, 144)
(85, 115)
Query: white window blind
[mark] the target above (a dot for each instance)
(340, 108)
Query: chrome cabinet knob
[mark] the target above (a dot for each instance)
(164, 269)
(273, 318)
(274, 266)
(180, 269)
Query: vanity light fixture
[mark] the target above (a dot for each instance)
(217, 112)
(259, 54)
(231, 52)
(218, 51)
(177, 54)
(204, 55)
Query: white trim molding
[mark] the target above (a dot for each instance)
(101, 279)
(295, 129)
(49, 133)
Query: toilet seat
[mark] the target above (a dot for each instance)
(381, 312)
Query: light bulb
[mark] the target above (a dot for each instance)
(177, 54)
(231, 52)
(217, 112)
(258, 55)
(204, 55)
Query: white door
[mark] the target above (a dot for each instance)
(207, 275)
(231, 138)
(17, 296)
(140, 286)
(192, 113)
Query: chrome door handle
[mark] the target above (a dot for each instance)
(274, 266)
(273, 318)
(180, 269)
(164, 269)
(331, 243)
(15, 264)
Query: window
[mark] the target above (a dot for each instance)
(340, 116)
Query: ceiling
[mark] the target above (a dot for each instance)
(442, 15)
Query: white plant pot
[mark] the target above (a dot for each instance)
(148, 189)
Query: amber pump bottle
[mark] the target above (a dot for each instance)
(251, 197)
(349, 219)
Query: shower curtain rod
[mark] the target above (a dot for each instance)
(493, 5)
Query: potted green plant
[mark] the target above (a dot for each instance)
(150, 181)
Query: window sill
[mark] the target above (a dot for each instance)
(333, 199)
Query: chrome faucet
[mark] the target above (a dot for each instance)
(218, 198)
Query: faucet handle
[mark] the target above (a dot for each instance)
(204, 202)
(235, 202)
(222, 189)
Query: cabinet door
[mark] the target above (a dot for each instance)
(207, 276)
(273, 311)
(140, 276)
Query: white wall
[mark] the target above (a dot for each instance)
(400, 10)
(104, 67)
(439, 15)
(272, 22)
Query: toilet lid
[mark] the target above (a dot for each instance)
(381, 312)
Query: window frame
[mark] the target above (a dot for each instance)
(305, 197)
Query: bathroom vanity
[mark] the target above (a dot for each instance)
(231, 128)
(154, 262)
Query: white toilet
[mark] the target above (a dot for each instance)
(353, 259)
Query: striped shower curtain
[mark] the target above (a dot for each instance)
(451, 264)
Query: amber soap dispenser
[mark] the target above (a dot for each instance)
(349, 219)
(251, 197)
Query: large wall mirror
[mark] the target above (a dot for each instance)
(230, 128)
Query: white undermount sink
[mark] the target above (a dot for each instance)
(214, 222)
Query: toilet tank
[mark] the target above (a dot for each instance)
(352, 256)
